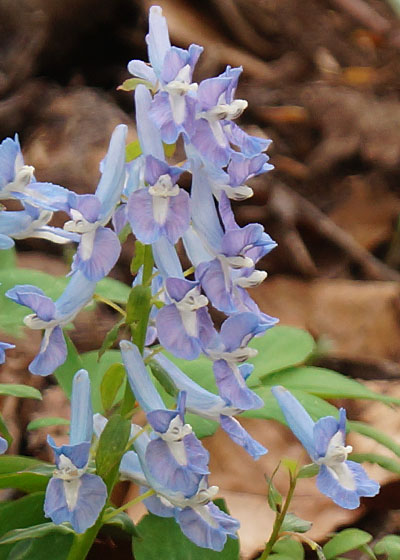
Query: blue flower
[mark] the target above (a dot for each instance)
(341, 480)
(162, 209)
(201, 402)
(174, 456)
(52, 316)
(229, 349)
(184, 326)
(99, 247)
(199, 519)
(72, 494)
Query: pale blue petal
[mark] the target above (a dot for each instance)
(111, 184)
(139, 380)
(52, 353)
(142, 70)
(157, 39)
(234, 390)
(131, 469)
(239, 435)
(196, 528)
(141, 217)
(81, 428)
(173, 336)
(157, 507)
(195, 248)
(6, 242)
(216, 286)
(77, 453)
(166, 259)
(76, 295)
(104, 254)
(4, 346)
(298, 419)
(148, 133)
(35, 298)
(324, 430)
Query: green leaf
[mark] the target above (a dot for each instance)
(123, 522)
(308, 471)
(346, 540)
(163, 378)
(23, 391)
(112, 444)
(8, 258)
(4, 431)
(173, 544)
(133, 150)
(131, 84)
(280, 348)
(21, 473)
(385, 462)
(375, 434)
(273, 496)
(389, 545)
(295, 524)
(113, 289)
(110, 337)
(96, 372)
(46, 422)
(65, 373)
(325, 383)
(55, 546)
(34, 532)
(287, 549)
(110, 384)
(169, 149)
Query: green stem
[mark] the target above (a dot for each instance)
(128, 505)
(83, 543)
(279, 520)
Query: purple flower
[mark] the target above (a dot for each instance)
(73, 495)
(3, 445)
(99, 247)
(341, 480)
(184, 326)
(201, 402)
(162, 209)
(174, 456)
(52, 316)
(199, 519)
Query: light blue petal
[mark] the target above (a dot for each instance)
(196, 528)
(142, 70)
(35, 298)
(52, 354)
(104, 254)
(4, 346)
(78, 453)
(157, 39)
(234, 390)
(139, 380)
(111, 184)
(324, 430)
(131, 469)
(166, 259)
(148, 133)
(298, 419)
(239, 435)
(6, 242)
(195, 248)
(173, 336)
(76, 295)
(81, 428)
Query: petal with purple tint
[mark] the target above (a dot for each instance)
(141, 217)
(239, 329)
(157, 39)
(148, 133)
(4, 346)
(78, 501)
(217, 285)
(324, 430)
(35, 298)
(232, 387)
(249, 145)
(207, 526)
(178, 216)
(173, 336)
(212, 148)
(97, 253)
(140, 69)
(239, 435)
(173, 473)
(298, 419)
(166, 259)
(52, 354)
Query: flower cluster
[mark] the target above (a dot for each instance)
(144, 196)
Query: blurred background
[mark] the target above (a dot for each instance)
(322, 78)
